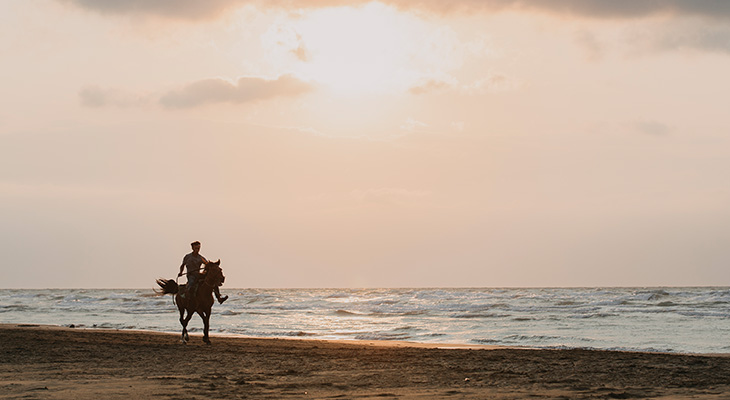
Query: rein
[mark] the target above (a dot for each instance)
(205, 281)
(187, 273)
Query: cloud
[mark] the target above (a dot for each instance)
(178, 9)
(247, 89)
(705, 38)
(198, 10)
(428, 86)
(491, 83)
(691, 35)
(585, 8)
(652, 128)
(412, 125)
(96, 97)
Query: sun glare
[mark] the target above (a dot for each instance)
(355, 50)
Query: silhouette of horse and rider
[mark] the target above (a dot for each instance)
(197, 295)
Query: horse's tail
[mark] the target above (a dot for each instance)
(168, 286)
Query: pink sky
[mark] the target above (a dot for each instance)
(366, 144)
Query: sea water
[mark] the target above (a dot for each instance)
(681, 320)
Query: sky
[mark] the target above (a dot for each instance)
(347, 143)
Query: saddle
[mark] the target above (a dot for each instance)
(186, 288)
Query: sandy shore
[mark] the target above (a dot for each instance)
(61, 363)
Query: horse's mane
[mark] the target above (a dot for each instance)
(213, 270)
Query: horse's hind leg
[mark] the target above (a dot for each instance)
(184, 325)
(184, 322)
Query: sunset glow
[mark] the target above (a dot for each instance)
(356, 50)
(351, 143)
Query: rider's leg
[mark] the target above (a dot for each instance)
(218, 295)
(192, 284)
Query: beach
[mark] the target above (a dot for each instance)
(46, 362)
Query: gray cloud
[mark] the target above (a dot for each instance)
(195, 9)
(180, 9)
(96, 97)
(652, 128)
(702, 37)
(247, 89)
(616, 8)
(585, 8)
(707, 38)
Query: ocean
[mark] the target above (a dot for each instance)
(676, 320)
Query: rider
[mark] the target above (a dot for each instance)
(192, 262)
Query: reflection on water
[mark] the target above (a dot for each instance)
(694, 320)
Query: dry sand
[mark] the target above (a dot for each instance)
(62, 363)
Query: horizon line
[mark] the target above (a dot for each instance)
(396, 288)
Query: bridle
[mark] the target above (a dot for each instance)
(209, 276)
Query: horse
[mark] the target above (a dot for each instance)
(201, 302)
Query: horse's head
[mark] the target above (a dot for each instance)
(214, 273)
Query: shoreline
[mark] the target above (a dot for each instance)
(371, 343)
(197, 334)
(50, 362)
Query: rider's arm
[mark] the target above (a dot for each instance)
(182, 266)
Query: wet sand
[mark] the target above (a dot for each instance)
(38, 362)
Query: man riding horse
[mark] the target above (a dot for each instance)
(199, 300)
(192, 262)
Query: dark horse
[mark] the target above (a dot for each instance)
(201, 303)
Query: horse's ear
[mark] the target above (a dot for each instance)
(218, 262)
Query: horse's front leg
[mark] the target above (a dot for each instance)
(206, 325)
